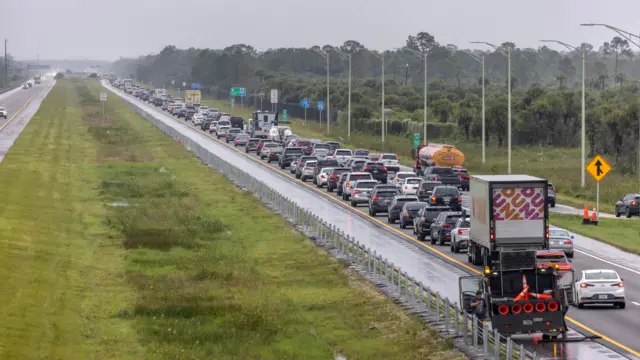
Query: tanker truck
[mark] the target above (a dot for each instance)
(438, 155)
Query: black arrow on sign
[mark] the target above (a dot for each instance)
(598, 170)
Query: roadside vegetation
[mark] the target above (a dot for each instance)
(118, 243)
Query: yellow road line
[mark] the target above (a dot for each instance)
(19, 111)
(432, 249)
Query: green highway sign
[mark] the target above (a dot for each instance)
(236, 91)
(416, 140)
(284, 114)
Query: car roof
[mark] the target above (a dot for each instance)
(360, 173)
(600, 270)
(404, 197)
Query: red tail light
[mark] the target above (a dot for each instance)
(620, 284)
(460, 232)
(237, 139)
(383, 169)
(528, 307)
(422, 220)
(516, 308)
(433, 199)
(585, 285)
(568, 242)
(446, 225)
(405, 213)
(435, 178)
(334, 176)
(540, 307)
(367, 169)
(271, 153)
(356, 192)
(503, 309)
(633, 203)
(459, 199)
(376, 198)
(552, 306)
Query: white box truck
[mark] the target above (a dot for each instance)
(508, 213)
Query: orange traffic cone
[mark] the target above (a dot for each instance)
(594, 219)
(585, 220)
(178, 140)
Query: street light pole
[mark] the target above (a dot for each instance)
(349, 96)
(629, 36)
(325, 55)
(582, 131)
(507, 54)
(423, 56)
(481, 61)
(382, 117)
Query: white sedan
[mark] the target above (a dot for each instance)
(400, 176)
(323, 177)
(198, 119)
(410, 185)
(3, 112)
(599, 287)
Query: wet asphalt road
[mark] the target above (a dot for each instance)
(435, 265)
(21, 105)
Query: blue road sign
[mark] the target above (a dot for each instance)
(320, 105)
(243, 92)
(305, 103)
(195, 86)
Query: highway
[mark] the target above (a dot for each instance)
(21, 105)
(436, 267)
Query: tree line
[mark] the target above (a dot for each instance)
(546, 99)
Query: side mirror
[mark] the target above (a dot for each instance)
(621, 279)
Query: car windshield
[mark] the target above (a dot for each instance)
(558, 233)
(389, 157)
(447, 191)
(413, 181)
(294, 151)
(359, 177)
(310, 164)
(405, 175)
(451, 219)
(323, 146)
(387, 193)
(340, 171)
(433, 213)
(366, 184)
(327, 170)
(321, 151)
(343, 152)
(304, 143)
(362, 152)
(601, 275)
(270, 145)
(465, 224)
(428, 186)
(415, 205)
(2, 109)
(442, 170)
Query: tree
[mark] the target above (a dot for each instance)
(59, 76)
(618, 46)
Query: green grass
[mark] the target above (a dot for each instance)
(192, 268)
(621, 234)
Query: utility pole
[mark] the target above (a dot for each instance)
(6, 64)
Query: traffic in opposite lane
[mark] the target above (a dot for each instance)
(408, 216)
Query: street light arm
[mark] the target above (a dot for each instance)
(625, 34)
(474, 57)
(379, 56)
(572, 48)
(497, 48)
(341, 52)
(321, 52)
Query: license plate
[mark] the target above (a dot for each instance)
(527, 322)
(602, 297)
(447, 198)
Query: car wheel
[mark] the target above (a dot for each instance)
(628, 213)
(622, 305)
(268, 161)
(372, 213)
(389, 220)
(420, 237)
(440, 240)
(432, 238)
(354, 204)
(617, 212)
(329, 189)
(553, 204)
(570, 255)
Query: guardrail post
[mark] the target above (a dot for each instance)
(522, 353)
(496, 344)
(456, 310)
(428, 294)
(438, 306)
(447, 307)
(509, 348)
(393, 273)
(421, 294)
(399, 281)
(375, 262)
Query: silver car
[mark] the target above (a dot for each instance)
(240, 139)
(342, 155)
(560, 239)
(308, 170)
(361, 190)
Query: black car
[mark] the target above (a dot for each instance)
(206, 124)
(381, 198)
(334, 178)
(629, 205)
(426, 216)
(288, 155)
(252, 145)
(333, 145)
(446, 195)
(361, 152)
(409, 211)
(463, 174)
(442, 226)
(551, 194)
(323, 164)
(377, 170)
(182, 112)
(426, 189)
(189, 114)
(444, 174)
(341, 180)
(158, 102)
(305, 145)
(394, 210)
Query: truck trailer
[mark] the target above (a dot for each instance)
(508, 213)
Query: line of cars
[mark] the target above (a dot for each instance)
(430, 205)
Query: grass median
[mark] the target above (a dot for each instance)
(118, 243)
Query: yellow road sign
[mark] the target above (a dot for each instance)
(598, 167)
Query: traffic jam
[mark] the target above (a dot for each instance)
(426, 202)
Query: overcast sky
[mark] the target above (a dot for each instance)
(109, 29)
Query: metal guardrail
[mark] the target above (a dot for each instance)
(465, 330)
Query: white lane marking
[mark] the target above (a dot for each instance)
(635, 303)
(608, 262)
